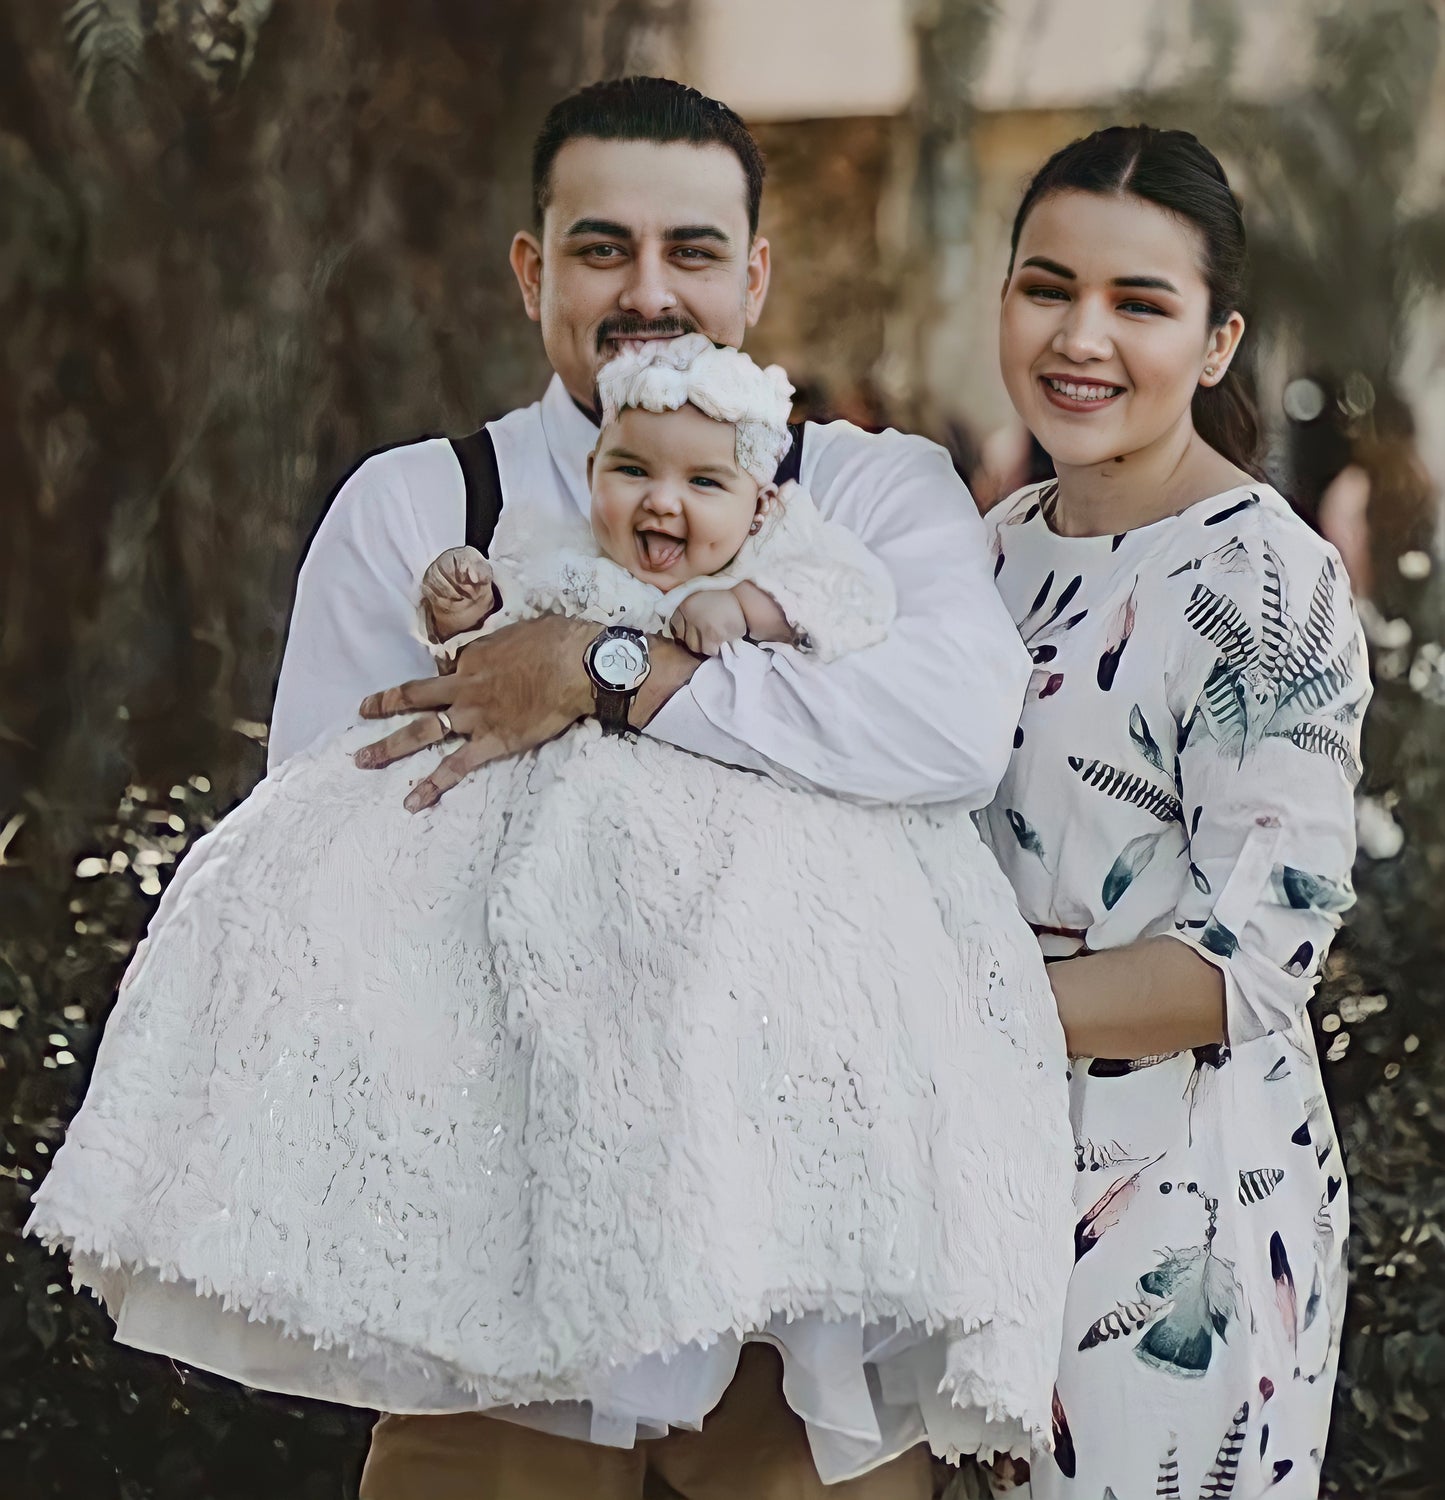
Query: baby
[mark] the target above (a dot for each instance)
(615, 1058)
(675, 497)
(669, 504)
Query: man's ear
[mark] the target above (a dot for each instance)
(1003, 290)
(760, 272)
(526, 258)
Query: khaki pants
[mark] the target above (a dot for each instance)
(752, 1447)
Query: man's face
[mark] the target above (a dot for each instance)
(639, 241)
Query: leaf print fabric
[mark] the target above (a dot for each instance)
(1185, 767)
(1203, 1298)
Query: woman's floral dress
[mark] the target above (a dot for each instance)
(1185, 766)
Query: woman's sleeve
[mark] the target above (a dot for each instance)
(1268, 757)
(836, 595)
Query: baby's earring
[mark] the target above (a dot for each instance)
(756, 527)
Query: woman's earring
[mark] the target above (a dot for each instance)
(1209, 369)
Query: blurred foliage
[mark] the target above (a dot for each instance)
(1347, 238)
(264, 245)
(80, 1416)
(1378, 1016)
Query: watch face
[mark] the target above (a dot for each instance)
(620, 664)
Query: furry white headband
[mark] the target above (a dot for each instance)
(723, 383)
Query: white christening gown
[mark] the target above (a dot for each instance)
(546, 1098)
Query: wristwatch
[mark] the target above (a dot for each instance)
(618, 662)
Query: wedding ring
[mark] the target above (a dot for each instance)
(446, 723)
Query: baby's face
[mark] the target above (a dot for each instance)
(669, 501)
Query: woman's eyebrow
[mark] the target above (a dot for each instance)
(1149, 283)
(1052, 266)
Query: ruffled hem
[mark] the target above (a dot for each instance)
(868, 1382)
(866, 1390)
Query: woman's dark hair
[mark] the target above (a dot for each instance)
(644, 109)
(1174, 171)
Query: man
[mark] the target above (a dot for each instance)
(646, 199)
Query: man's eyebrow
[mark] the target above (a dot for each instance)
(697, 232)
(610, 227)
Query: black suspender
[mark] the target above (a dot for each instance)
(477, 456)
(793, 459)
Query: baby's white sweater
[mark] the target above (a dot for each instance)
(835, 594)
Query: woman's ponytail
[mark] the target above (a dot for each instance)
(1226, 416)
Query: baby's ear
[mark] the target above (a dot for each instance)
(591, 459)
(767, 499)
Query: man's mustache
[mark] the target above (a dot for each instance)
(642, 328)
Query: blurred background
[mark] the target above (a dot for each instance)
(242, 244)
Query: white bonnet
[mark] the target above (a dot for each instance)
(723, 383)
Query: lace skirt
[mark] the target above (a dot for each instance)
(558, 1092)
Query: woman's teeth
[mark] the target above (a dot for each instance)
(1083, 392)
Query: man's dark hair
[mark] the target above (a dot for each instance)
(643, 109)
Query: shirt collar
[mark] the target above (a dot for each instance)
(571, 435)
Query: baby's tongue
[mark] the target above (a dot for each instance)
(661, 550)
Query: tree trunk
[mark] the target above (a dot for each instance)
(238, 257)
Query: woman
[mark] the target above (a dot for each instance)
(1177, 824)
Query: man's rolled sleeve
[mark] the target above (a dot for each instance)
(351, 626)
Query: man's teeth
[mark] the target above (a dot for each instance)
(1084, 392)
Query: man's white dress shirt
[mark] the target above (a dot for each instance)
(926, 716)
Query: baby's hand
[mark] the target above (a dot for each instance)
(704, 623)
(457, 591)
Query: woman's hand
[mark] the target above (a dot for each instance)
(1154, 996)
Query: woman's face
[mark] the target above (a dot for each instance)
(1104, 336)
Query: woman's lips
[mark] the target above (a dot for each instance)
(659, 550)
(1078, 395)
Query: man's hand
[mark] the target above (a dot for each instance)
(510, 692)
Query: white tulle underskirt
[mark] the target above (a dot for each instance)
(865, 1392)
